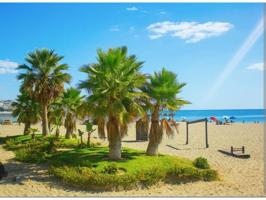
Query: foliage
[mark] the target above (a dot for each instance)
(26, 109)
(71, 103)
(162, 88)
(113, 85)
(201, 163)
(43, 79)
(139, 170)
(90, 168)
(110, 169)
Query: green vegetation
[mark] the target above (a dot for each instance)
(118, 93)
(201, 163)
(43, 78)
(38, 149)
(27, 111)
(91, 168)
(162, 88)
(114, 86)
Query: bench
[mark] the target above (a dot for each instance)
(236, 152)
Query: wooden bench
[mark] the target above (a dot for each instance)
(242, 149)
(236, 152)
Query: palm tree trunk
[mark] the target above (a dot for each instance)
(27, 128)
(114, 138)
(57, 132)
(142, 128)
(44, 120)
(68, 133)
(101, 125)
(156, 133)
(89, 140)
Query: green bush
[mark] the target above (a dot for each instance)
(90, 168)
(27, 155)
(110, 169)
(209, 175)
(151, 176)
(201, 163)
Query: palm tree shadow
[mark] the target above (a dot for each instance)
(132, 141)
(19, 172)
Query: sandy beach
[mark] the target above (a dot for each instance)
(239, 177)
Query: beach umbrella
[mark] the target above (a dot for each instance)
(213, 118)
(183, 119)
(171, 115)
(226, 117)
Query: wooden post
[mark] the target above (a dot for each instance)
(243, 149)
(232, 151)
(206, 133)
(187, 132)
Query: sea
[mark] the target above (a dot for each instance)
(239, 115)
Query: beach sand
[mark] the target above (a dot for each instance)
(239, 177)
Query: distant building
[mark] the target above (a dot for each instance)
(6, 105)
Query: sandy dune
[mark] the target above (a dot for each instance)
(239, 177)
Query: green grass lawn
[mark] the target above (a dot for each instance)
(90, 168)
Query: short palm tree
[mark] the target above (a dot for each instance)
(113, 84)
(56, 116)
(162, 88)
(71, 104)
(44, 78)
(27, 111)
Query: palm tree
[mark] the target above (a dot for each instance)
(56, 116)
(113, 84)
(71, 104)
(95, 113)
(27, 111)
(162, 88)
(43, 78)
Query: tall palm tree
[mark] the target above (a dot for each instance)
(71, 103)
(163, 89)
(27, 111)
(44, 78)
(113, 84)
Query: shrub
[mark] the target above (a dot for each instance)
(201, 163)
(110, 169)
(27, 155)
(209, 175)
(151, 176)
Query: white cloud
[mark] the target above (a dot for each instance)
(8, 67)
(132, 28)
(257, 66)
(114, 29)
(132, 8)
(191, 32)
(163, 12)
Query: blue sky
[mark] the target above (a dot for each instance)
(217, 49)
